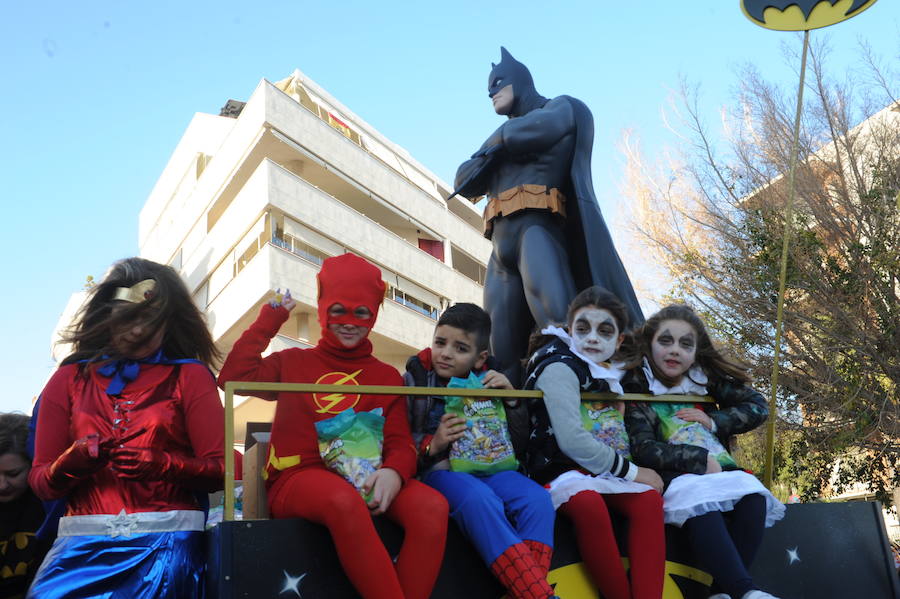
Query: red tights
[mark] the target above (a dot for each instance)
(589, 512)
(325, 498)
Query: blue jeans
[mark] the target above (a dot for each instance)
(496, 511)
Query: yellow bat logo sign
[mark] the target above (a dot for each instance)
(800, 15)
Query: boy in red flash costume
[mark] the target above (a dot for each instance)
(298, 482)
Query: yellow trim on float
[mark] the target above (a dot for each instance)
(573, 582)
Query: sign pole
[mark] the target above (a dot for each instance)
(782, 279)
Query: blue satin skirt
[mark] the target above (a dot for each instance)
(161, 565)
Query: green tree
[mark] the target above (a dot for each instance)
(714, 221)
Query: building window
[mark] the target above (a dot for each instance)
(252, 242)
(201, 296)
(299, 248)
(433, 247)
(413, 303)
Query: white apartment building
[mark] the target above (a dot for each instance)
(255, 198)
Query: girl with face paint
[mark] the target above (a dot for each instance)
(724, 513)
(588, 478)
(298, 482)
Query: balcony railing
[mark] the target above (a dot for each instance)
(315, 256)
(231, 387)
(299, 248)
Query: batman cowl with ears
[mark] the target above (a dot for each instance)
(549, 238)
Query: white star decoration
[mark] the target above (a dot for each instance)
(793, 556)
(122, 525)
(291, 583)
(586, 385)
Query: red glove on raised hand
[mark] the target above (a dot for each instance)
(83, 457)
(147, 463)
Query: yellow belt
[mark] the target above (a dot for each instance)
(522, 197)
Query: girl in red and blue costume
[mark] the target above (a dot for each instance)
(130, 429)
(298, 482)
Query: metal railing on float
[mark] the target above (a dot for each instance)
(233, 387)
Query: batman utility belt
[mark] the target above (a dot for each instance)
(126, 525)
(522, 197)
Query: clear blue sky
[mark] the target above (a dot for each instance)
(95, 96)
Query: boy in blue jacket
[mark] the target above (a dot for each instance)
(507, 516)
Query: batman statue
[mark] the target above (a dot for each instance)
(549, 238)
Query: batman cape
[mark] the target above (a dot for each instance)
(592, 255)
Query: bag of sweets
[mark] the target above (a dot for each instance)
(485, 447)
(606, 424)
(350, 444)
(681, 432)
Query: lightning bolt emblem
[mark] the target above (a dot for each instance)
(328, 403)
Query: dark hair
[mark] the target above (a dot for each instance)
(14, 435)
(592, 296)
(471, 319)
(716, 365)
(601, 298)
(169, 306)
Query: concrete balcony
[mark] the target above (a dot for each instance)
(273, 126)
(272, 186)
(398, 333)
(335, 220)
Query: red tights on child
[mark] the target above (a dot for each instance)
(589, 512)
(325, 498)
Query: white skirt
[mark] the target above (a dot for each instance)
(568, 484)
(692, 495)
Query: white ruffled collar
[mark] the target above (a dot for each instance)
(692, 383)
(612, 374)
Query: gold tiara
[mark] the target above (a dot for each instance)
(137, 293)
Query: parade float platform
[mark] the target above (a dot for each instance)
(819, 551)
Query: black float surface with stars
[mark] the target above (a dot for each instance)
(292, 584)
(828, 550)
(819, 551)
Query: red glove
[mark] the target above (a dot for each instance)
(147, 463)
(83, 457)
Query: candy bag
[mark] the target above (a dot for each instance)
(681, 432)
(350, 444)
(485, 447)
(606, 424)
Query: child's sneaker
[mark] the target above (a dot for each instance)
(757, 594)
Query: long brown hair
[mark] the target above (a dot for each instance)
(717, 366)
(170, 306)
(592, 296)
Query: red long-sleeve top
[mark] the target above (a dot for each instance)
(294, 442)
(181, 412)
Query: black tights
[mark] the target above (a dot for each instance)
(726, 543)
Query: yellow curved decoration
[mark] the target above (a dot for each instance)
(573, 582)
(787, 15)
